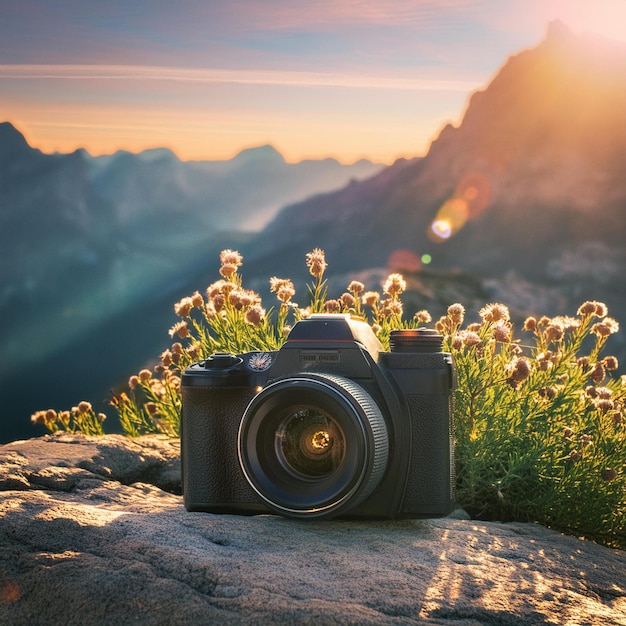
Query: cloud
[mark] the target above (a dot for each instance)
(249, 77)
(329, 14)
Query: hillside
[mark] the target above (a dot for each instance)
(528, 192)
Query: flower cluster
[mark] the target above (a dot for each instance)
(540, 418)
(81, 418)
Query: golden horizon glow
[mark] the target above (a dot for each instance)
(348, 81)
(192, 131)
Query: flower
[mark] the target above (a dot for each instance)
(604, 405)
(547, 392)
(84, 407)
(423, 316)
(610, 363)
(197, 300)
(332, 306)
(470, 339)
(370, 298)
(609, 474)
(316, 262)
(347, 300)
(254, 315)
(283, 288)
(242, 298)
(502, 332)
(601, 309)
(518, 370)
(177, 348)
(217, 304)
(392, 308)
(194, 351)
(608, 326)
(494, 313)
(598, 373)
(218, 287)
(530, 323)
(456, 312)
(44, 418)
(356, 287)
(166, 358)
(443, 325)
(565, 322)
(575, 456)
(394, 285)
(587, 308)
(228, 270)
(231, 257)
(183, 308)
(593, 307)
(181, 329)
(554, 332)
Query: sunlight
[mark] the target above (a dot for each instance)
(607, 18)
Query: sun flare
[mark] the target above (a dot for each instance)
(607, 18)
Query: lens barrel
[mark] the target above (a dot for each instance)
(315, 445)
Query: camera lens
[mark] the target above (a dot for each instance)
(309, 442)
(314, 445)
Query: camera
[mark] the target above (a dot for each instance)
(328, 425)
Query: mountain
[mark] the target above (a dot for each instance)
(243, 193)
(528, 192)
(86, 242)
(523, 203)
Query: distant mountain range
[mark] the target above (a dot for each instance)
(84, 239)
(524, 203)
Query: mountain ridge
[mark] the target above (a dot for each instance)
(519, 144)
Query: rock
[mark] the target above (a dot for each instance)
(92, 531)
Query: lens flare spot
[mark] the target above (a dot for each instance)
(404, 262)
(475, 189)
(427, 259)
(470, 193)
(441, 229)
(320, 441)
(450, 218)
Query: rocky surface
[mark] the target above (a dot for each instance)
(93, 532)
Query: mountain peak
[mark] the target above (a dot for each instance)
(157, 154)
(12, 142)
(260, 154)
(558, 31)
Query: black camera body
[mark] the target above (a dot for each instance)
(329, 425)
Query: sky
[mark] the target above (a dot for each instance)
(348, 79)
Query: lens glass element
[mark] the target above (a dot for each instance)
(309, 442)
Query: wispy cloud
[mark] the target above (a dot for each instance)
(249, 77)
(330, 14)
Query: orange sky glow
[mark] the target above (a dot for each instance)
(349, 79)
